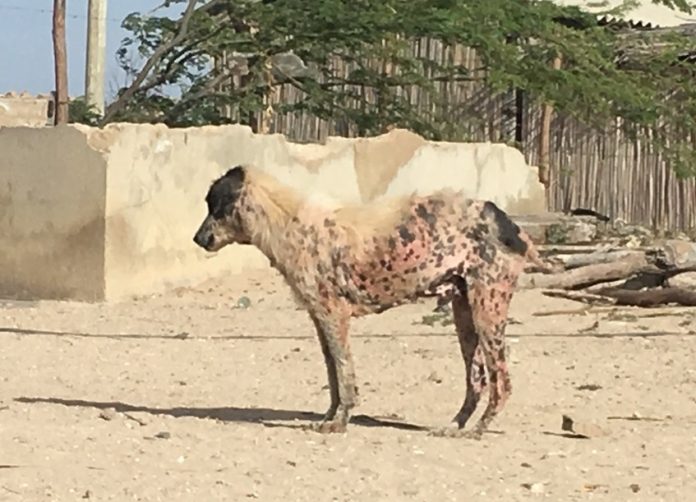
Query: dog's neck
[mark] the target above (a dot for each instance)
(267, 209)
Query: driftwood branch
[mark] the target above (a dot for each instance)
(589, 275)
(616, 296)
(582, 260)
(579, 296)
(652, 297)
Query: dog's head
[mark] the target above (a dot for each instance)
(222, 226)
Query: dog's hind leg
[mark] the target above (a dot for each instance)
(490, 298)
(472, 354)
(474, 361)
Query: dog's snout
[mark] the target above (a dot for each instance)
(197, 239)
(204, 239)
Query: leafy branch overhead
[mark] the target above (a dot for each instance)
(354, 62)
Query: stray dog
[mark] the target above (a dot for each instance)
(344, 262)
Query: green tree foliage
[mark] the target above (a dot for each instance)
(605, 73)
(82, 113)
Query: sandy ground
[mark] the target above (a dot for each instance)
(184, 397)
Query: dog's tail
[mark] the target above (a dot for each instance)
(532, 256)
(514, 239)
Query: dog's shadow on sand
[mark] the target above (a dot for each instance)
(268, 417)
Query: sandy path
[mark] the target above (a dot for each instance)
(181, 397)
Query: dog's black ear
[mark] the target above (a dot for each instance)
(235, 174)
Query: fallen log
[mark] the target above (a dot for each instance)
(579, 296)
(597, 247)
(609, 284)
(612, 309)
(624, 297)
(651, 297)
(553, 249)
(595, 258)
(654, 278)
(589, 275)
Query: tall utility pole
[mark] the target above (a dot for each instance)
(96, 53)
(61, 62)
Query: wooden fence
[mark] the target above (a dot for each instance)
(600, 170)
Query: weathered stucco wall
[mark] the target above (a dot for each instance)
(52, 198)
(22, 109)
(102, 214)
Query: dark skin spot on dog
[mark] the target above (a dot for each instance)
(391, 243)
(429, 218)
(481, 229)
(406, 236)
(486, 252)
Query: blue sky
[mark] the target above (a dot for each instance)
(26, 46)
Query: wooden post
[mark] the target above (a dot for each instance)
(545, 136)
(61, 62)
(96, 52)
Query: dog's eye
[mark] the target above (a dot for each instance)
(220, 210)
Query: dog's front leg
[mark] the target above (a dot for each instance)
(332, 329)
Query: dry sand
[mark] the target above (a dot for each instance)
(183, 397)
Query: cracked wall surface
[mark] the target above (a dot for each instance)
(141, 187)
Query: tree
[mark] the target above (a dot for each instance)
(61, 63)
(267, 44)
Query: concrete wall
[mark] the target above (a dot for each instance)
(102, 214)
(52, 197)
(21, 109)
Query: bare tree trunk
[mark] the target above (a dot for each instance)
(545, 136)
(61, 62)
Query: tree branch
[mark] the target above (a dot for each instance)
(156, 56)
